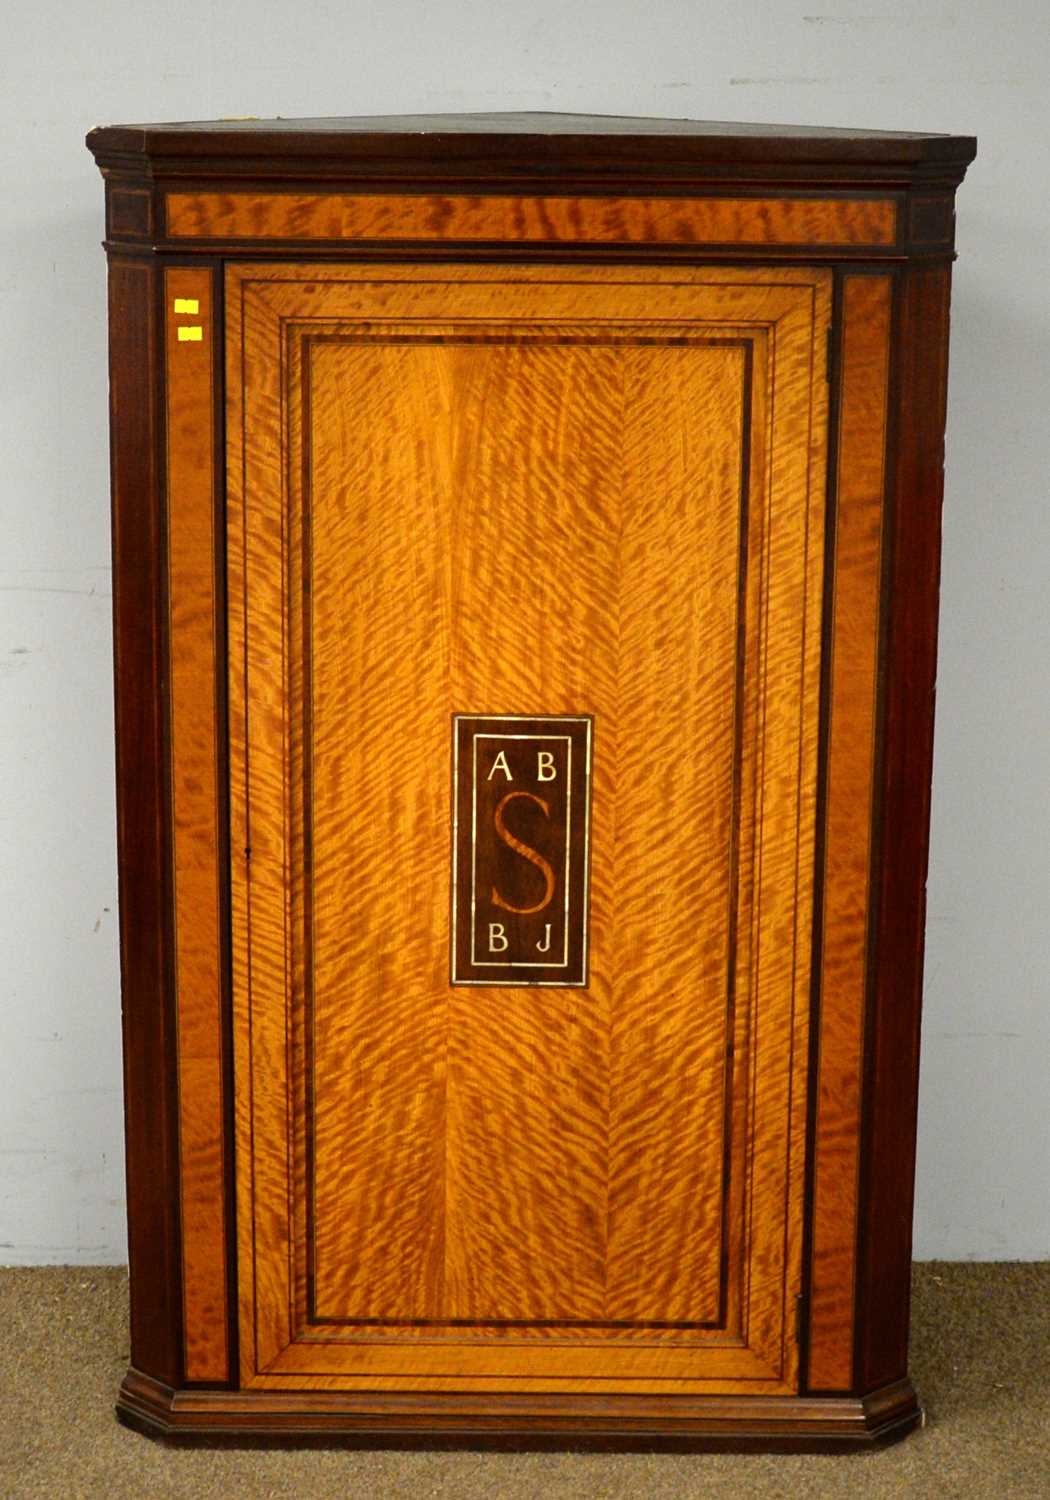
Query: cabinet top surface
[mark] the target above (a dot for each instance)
(553, 142)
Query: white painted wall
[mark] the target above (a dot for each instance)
(983, 1186)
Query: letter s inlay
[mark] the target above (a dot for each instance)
(526, 853)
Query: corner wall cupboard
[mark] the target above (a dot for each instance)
(526, 537)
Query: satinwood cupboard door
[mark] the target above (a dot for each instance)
(524, 570)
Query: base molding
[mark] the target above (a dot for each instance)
(455, 1420)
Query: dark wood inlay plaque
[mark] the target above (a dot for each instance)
(520, 849)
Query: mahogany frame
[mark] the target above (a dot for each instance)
(887, 368)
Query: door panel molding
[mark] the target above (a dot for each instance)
(404, 546)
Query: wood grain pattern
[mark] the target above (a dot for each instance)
(902, 811)
(143, 833)
(857, 579)
(259, 926)
(379, 533)
(478, 1156)
(240, 929)
(190, 441)
(129, 212)
(586, 1421)
(291, 216)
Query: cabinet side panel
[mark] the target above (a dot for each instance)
(190, 442)
(143, 841)
(902, 828)
(856, 577)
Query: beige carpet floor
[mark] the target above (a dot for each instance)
(980, 1358)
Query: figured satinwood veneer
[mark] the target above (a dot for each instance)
(430, 526)
(856, 581)
(650, 221)
(197, 809)
(536, 418)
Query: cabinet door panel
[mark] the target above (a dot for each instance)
(538, 492)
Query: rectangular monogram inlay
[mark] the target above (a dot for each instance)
(520, 849)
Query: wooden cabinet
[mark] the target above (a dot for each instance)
(526, 534)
